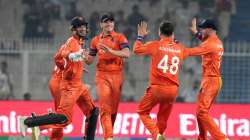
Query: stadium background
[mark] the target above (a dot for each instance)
(31, 31)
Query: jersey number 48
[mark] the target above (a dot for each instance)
(172, 67)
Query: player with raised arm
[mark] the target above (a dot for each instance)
(211, 50)
(166, 57)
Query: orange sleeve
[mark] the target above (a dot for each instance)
(185, 52)
(200, 50)
(143, 49)
(123, 42)
(93, 48)
(70, 47)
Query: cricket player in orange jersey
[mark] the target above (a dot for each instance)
(70, 59)
(166, 57)
(111, 48)
(73, 91)
(211, 50)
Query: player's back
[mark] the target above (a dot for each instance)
(166, 59)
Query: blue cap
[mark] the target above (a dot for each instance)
(208, 23)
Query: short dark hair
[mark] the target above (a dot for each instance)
(166, 28)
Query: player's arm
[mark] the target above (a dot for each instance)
(185, 51)
(124, 52)
(140, 48)
(72, 53)
(194, 29)
(90, 57)
(124, 49)
(66, 50)
(200, 50)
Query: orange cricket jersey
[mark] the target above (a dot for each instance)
(211, 51)
(59, 63)
(57, 72)
(73, 70)
(166, 58)
(106, 61)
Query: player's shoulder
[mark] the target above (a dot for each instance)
(61, 47)
(119, 35)
(153, 42)
(219, 42)
(177, 46)
(214, 43)
(95, 38)
(180, 45)
(71, 41)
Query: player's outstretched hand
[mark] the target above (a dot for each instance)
(193, 27)
(142, 29)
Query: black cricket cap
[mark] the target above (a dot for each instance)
(78, 22)
(107, 17)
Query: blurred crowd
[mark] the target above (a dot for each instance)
(49, 18)
(40, 15)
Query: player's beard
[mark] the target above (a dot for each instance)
(82, 34)
(204, 37)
